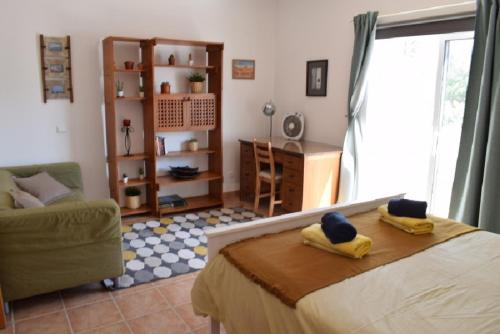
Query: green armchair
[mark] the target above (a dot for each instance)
(65, 244)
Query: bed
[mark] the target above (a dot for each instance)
(452, 287)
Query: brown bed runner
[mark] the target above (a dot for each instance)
(287, 268)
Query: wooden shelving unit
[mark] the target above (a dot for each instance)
(113, 105)
(197, 112)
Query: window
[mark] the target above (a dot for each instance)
(415, 107)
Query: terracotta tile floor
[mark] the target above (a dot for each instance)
(160, 307)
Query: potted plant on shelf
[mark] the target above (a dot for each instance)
(119, 89)
(125, 178)
(141, 91)
(129, 65)
(193, 145)
(196, 80)
(132, 197)
(141, 174)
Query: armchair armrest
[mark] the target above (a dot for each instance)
(59, 226)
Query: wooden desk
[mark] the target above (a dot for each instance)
(310, 172)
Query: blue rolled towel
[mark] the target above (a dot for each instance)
(337, 228)
(407, 208)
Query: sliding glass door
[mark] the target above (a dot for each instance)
(415, 109)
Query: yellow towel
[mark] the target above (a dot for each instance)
(407, 224)
(357, 248)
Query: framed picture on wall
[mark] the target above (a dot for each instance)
(57, 89)
(55, 63)
(55, 68)
(316, 77)
(244, 69)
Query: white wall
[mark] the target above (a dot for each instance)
(28, 127)
(323, 29)
(280, 34)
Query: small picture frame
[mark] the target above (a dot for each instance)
(56, 68)
(58, 89)
(317, 77)
(244, 69)
(56, 46)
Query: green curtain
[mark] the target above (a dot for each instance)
(364, 29)
(476, 189)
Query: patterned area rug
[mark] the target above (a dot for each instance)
(172, 246)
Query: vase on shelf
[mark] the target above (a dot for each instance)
(193, 145)
(165, 87)
(171, 60)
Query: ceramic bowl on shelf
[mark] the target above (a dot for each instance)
(184, 172)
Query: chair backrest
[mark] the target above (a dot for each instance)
(263, 153)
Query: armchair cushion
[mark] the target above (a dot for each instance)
(23, 199)
(68, 173)
(44, 187)
(6, 185)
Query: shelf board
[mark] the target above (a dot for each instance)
(168, 180)
(195, 67)
(133, 183)
(169, 41)
(130, 212)
(125, 39)
(123, 70)
(176, 154)
(130, 98)
(194, 203)
(132, 157)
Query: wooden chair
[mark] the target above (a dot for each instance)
(264, 156)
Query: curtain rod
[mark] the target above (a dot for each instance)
(420, 16)
(441, 18)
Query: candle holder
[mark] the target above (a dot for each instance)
(127, 128)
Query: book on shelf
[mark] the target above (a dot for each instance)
(160, 146)
(171, 201)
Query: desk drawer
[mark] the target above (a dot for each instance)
(292, 162)
(246, 151)
(293, 176)
(292, 197)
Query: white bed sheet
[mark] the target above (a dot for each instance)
(453, 287)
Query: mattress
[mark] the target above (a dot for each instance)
(453, 287)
